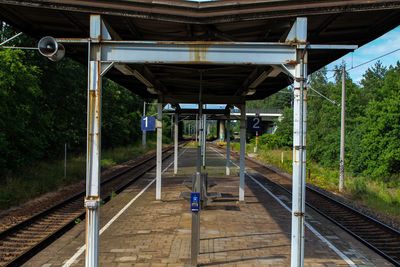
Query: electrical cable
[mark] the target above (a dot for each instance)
(368, 61)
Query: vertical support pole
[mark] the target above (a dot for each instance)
(159, 150)
(199, 143)
(176, 145)
(242, 150)
(228, 144)
(256, 148)
(298, 33)
(144, 132)
(201, 136)
(342, 130)
(217, 126)
(299, 164)
(221, 130)
(65, 161)
(92, 200)
(196, 128)
(204, 139)
(199, 117)
(93, 145)
(195, 238)
(172, 126)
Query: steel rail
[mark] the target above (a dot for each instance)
(372, 221)
(31, 251)
(381, 225)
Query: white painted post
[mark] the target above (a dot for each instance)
(144, 132)
(93, 146)
(299, 164)
(159, 150)
(204, 139)
(221, 130)
(242, 149)
(228, 144)
(342, 130)
(298, 33)
(172, 127)
(176, 145)
(201, 131)
(196, 128)
(65, 161)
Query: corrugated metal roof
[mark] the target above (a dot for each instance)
(329, 22)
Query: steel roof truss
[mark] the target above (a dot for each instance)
(227, 53)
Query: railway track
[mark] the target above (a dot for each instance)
(23, 240)
(378, 236)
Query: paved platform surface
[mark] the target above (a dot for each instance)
(157, 233)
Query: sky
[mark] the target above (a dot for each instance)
(380, 46)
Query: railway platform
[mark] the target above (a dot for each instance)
(137, 230)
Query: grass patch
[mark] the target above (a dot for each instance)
(380, 196)
(43, 177)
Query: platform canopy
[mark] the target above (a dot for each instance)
(354, 22)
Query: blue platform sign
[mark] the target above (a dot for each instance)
(194, 201)
(148, 123)
(254, 124)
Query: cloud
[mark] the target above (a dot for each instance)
(382, 45)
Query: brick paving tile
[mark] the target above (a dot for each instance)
(157, 233)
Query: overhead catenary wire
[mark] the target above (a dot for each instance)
(321, 95)
(368, 61)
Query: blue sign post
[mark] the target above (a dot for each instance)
(195, 201)
(148, 123)
(254, 124)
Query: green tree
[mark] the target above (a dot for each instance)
(285, 128)
(380, 143)
(20, 120)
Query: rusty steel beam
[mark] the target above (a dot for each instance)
(210, 12)
(207, 99)
(223, 53)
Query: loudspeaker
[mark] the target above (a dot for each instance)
(49, 48)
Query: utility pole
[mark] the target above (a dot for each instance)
(144, 132)
(172, 127)
(342, 125)
(65, 161)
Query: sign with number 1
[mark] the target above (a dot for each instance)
(148, 123)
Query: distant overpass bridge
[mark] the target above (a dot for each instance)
(222, 114)
(268, 117)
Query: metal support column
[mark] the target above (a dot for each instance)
(201, 136)
(159, 150)
(196, 187)
(299, 33)
(195, 233)
(242, 149)
(93, 145)
(342, 130)
(199, 118)
(172, 127)
(199, 140)
(204, 140)
(92, 200)
(299, 165)
(144, 132)
(217, 127)
(228, 144)
(221, 130)
(176, 145)
(196, 128)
